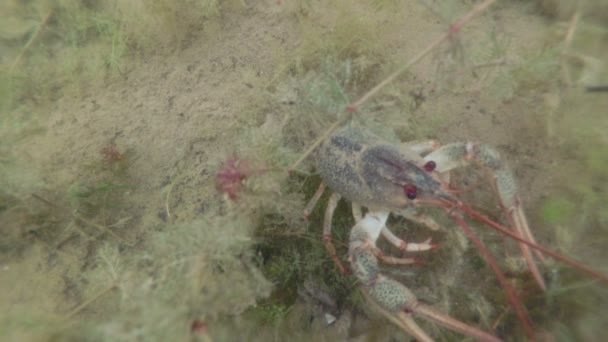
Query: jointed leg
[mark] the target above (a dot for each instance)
(422, 147)
(410, 246)
(329, 214)
(394, 261)
(420, 219)
(391, 298)
(313, 201)
(407, 246)
(397, 242)
(455, 155)
(504, 185)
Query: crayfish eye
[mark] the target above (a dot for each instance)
(429, 166)
(411, 191)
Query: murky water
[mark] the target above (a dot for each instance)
(118, 118)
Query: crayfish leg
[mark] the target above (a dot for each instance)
(313, 201)
(327, 239)
(455, 155)
(391, 298)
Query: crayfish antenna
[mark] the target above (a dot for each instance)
(487, 158)
(405, 321)
(459, 154)
(561, 258)
(453, 324)
(513, 298)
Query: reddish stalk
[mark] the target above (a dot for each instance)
(353, 107)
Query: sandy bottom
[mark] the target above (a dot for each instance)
(177, 118)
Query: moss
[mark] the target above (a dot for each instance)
(558, 210)
(271, 314)
(289, 260)
(83, 42)
(353, 33)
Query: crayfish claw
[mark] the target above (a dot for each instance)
(392, 299)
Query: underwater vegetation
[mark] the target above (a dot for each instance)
(181, 222)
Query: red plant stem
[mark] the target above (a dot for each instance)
(513, 299)
(353, 107)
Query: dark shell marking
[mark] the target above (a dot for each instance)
(370, 171)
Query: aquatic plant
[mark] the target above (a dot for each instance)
(135, 264)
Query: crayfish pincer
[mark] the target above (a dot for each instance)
(386, 177)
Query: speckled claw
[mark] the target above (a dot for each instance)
(382, 176)
(392, 299)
